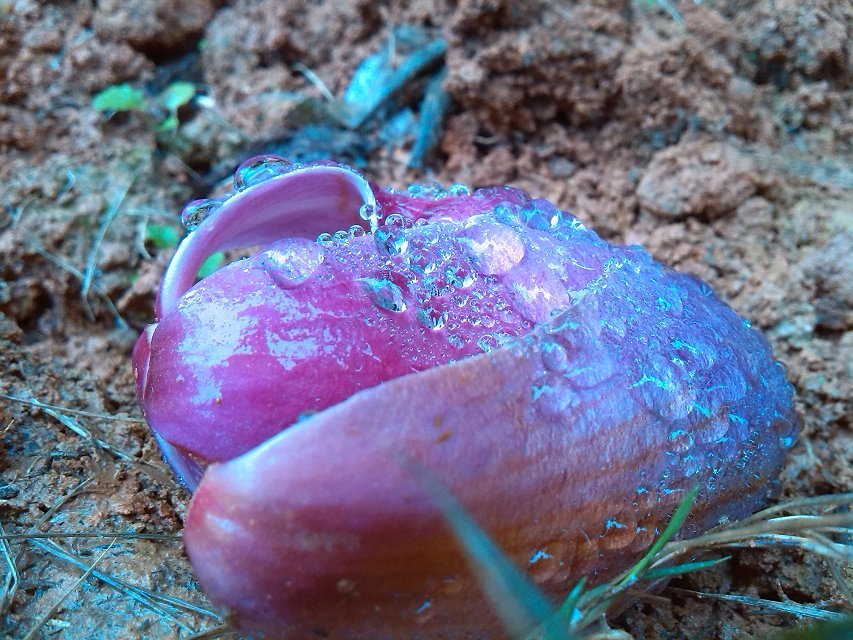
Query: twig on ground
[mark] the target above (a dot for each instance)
(77, 490)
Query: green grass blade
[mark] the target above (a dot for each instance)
(672, 528)
(678, 569)
(517, 601)
(567, 609)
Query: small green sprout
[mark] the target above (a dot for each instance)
(124, 97)
(213, 262)
(162, 236)
(119, 97)
(173, 97)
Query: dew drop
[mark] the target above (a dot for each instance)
(385, 294)
(487, 343)
(370, 213)
(492, 248)
(326, 240)
(460, 190)
(554, 357)
(460, 274)
(291, 261)
(391, 240)
(356, 231)
(432, 318)
(259, 169)
(340, 237)
(394, 220)
(456, 341)
(195, 212)
(422, 260)
(543, 216)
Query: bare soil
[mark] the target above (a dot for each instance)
(720, 141)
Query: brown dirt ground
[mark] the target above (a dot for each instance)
(722, 144)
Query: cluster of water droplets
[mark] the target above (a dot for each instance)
(448, 270)
(250, 173)
(441, 254)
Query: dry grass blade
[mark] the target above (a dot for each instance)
(10, 585)
(840, 581)
(68, 496)
(810, 532)
(52, 612)
(68, 410)
(220, 631)
(106, 221)
(79, 275)
(778, 531)
(168, 537)
(83, 432)
(147, 598)
(801, 504)
(796, 609)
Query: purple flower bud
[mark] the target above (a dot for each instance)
(566, 391)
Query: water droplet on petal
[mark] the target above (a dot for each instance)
(291, 261)
(356, 231)
(391, 240)
(432, 318)
(394, 220)
(543, 216)
(460, 274)
(487, 343)
(195, 212)
(340, 237)
(371, 214)
(259, 169)
(326, 240)
(385, 294)
(460, 190)
(492, 248)
(422, 261)
(535, 293)
(554, 357)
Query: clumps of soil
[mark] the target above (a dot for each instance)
(720, 142)
(696, 179)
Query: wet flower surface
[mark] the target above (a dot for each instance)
(565, 390)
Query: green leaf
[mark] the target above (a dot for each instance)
(162, 236)
(169, 123)
(213, 262)
(119, 97)
(176, 95)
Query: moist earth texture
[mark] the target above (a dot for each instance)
(716, 134)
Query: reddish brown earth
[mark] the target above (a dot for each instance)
(722, 144)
